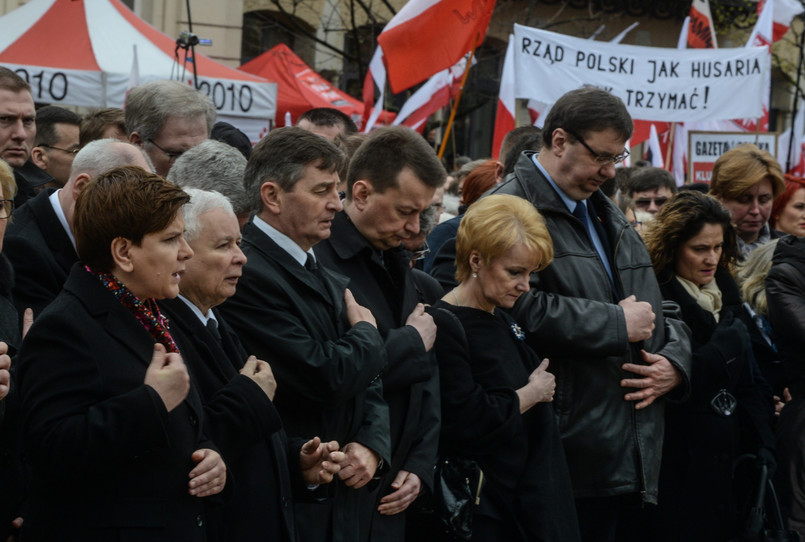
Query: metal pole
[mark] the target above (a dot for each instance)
(192, 45)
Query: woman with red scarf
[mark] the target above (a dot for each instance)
(111, 427)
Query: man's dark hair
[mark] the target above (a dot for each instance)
(528, 141)
(386, 152)
(9, 80)
(226, 133)
(649, 178)
(514, 136)
(327, 116)
(586, 110)
(95, 123)
(281, 157)
(46, 120)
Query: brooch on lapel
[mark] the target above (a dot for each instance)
(517, 332)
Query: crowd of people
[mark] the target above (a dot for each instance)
(205, 340)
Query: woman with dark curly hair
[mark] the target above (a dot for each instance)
(692, 246)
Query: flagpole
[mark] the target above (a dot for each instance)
(670, 147)
(458, 99)
(796, 96)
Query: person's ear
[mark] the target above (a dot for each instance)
(79, 184)
(475, 261)
(135, 139)
(559, 140)
(361, 190)
(40, 158)
(271, 197)
(121, 254)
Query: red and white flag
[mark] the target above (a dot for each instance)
(431, 96)
(504, 117)
(795, 162)
(655, 148)
(700, 30)
(784, 13)
(761, 37)
(428, 36)
(375, 78)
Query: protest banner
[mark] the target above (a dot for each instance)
(704, 148)
(656, 84)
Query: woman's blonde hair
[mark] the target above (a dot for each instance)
(7, 181)
(751, 277)
(493, 225)
(741, 168)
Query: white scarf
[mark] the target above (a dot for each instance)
(708, 296)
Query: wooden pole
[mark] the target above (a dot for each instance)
(669, 152)
(458, 99)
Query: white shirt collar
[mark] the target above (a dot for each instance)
(285, 242)
(204, 318)
(56, 204)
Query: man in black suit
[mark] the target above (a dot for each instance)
(240, 415)
(17, 133)
(392, 178)
(39, 240)
(324, 348)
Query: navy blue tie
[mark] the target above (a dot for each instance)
(580, 212)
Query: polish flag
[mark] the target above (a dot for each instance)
(784, 12)
(431, 97)
(428, 36)
(375, 77)
(761, 37)
(701, 33)
(795, 162)
(654, 148)
(504, 118)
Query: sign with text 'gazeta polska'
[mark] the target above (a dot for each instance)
(704, 148)
(655, 83)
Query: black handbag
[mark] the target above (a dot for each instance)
(457, 486)
(764, 521)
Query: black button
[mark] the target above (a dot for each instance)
(199, 521)
(193, 420)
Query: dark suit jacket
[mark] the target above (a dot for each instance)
(326, 371)
(246, 427)
(41, 253)
(109, 462)
(410, 380)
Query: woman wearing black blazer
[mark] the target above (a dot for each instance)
(110, 425)
(495, 393)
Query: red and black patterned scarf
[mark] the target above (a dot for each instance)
(147, 311)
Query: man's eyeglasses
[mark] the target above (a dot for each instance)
(645, 203)
(421, 253)
(6, 208)
(597, 156)
(172, 155)
(68, 151)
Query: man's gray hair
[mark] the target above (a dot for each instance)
(101, 155)
(213, 165)
(201, 201)
(148, 107)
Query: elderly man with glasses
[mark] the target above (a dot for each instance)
(166, 118)
(596, 313)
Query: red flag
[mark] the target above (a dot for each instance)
(428, 36)
(504, 117)
(784, 13)
(701, 34)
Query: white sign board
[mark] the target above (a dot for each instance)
(655, 83)
(704, 148)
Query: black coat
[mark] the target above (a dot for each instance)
(326, 371)
(697, 492)
(481, 364)
(11, 479)
(410, 380)
(109, 461)
(245, 426)
(41, 253)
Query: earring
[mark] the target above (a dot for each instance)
(475, 275)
